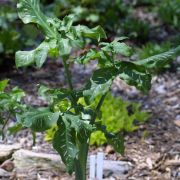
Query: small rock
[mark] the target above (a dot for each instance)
(109, 150)
(6, 151)
(177, 122)
(160, 89)
(8, 165)
(25, 159)
(116, 168)
(149, 163)
(4, 173)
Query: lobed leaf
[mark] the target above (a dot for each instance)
(96, 33)
(117, 141)
(134, 75)
(99, 83)
(38, 119)
(160, 60)
(29, 11)
(64, 144)
(82, 127)
(117, 47)
(37, 56)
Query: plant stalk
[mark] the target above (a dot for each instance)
(98, 108)
(68, 77)
(80, 163)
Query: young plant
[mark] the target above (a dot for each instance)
(76, 121)
(10, 104)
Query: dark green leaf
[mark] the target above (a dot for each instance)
(63, 143)
(15, 128)
(96, 33)
(99, 83)
(117, 141)
(39, 119)
(160, 60)
(117, 48)
(103, 58)
(82, 127)
(1, 120)
(135, 75)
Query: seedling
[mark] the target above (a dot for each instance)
(76, 121)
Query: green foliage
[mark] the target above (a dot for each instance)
(13, 35)
(151, 49)
(160, 60)
(76, 121)
(10, 104)
(118, 116)
(38, 119)
(7, 30)
(169, 12)
(135, 28)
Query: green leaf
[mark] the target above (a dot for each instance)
(90, 55)
(3, 84)
(40, 54)
(135, 75)
(17, 94)
(38, 119)
(99, 83)
(160, 60)
(82, 127)
(29, 11)
(64, 144)
(42, 91)
(1, 120)
(65, 47)
(117, 48)
(37, 56)
(103, 58)
(96, 33)
(24, 58)
(15, 128)
(117, 141)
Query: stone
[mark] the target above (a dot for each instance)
(6, 151)
(8, 165)
(109, 149)
(177, 122)
(4, 174)
(116, 168)
(25, 159)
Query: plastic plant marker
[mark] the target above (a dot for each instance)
(99, 169)
(92, 169)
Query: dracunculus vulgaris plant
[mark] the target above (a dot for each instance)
(76, 121)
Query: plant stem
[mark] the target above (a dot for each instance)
(68, 76)
(34, 138)
(80, 163)
(4, 126)
(68, 73)
(98, 108)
